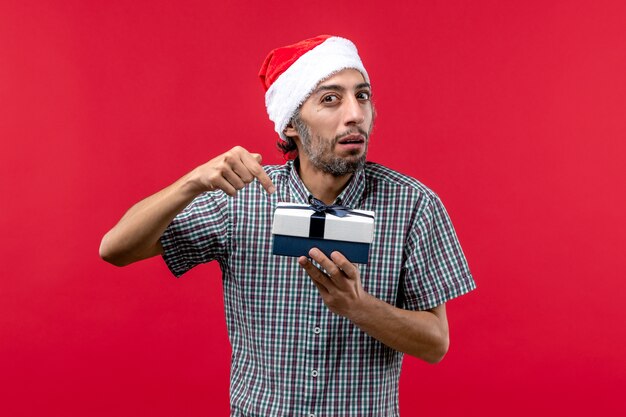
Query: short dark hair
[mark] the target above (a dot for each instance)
(289, 147)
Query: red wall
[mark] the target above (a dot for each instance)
(514, 112)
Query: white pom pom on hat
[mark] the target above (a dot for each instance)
(290, 74)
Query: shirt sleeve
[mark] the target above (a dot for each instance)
(435, 270)
(198, 234)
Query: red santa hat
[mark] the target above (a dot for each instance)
(291, 73)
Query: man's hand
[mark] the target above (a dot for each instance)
(340, 286)
(231, 172)
(423, 334)
(136, 236)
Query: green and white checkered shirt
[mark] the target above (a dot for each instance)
(291, 356)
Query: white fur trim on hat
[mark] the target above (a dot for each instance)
(294, 86)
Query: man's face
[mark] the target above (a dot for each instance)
(336, 121)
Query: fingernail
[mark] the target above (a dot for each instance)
(271, 189)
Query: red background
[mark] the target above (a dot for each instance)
(513, 112)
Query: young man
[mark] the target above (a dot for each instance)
(323, 338)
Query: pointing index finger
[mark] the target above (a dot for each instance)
(252, 163)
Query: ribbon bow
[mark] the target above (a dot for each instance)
(334, 209)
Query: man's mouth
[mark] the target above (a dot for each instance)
(353, 139)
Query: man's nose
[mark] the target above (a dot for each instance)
(354, 113)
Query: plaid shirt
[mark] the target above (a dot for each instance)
(291, 356)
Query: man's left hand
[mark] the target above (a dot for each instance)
(339, 283)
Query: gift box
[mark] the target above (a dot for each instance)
(299, 227)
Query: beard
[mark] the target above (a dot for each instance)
(319, 150)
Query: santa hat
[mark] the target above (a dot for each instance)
(291, 73)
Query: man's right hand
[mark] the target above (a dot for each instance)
(231, 172)
(136, 236)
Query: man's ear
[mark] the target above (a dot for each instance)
(290, 130)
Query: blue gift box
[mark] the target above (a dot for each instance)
(298, 227)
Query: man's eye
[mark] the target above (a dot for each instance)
(363, 95)
(331, 98)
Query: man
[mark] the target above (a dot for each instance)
(314, 336)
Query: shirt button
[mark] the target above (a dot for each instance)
(314, 373)
(317, 330)
(311, 415)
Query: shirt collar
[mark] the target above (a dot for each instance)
(350, 196)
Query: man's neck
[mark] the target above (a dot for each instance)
(323, 186)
